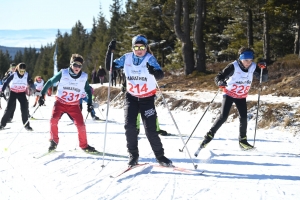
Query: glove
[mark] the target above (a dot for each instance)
(112, 45)
(262, 65)
(90, 107)
(41, 100)
(151, 69)
(222, 84)
(123, 88)
(2, 94)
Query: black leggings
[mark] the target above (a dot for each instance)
(241, 105)
(145, 106)
(11, 106)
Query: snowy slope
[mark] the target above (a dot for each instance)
(270, 172)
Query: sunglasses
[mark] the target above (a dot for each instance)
(22, 71)
(142, 48)
(76, 65)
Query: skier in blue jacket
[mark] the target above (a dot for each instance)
(141, 69)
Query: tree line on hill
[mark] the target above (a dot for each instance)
(186, 34)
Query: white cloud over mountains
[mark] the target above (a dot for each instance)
(28, 38)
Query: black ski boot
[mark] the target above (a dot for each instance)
(28, 128)
(89, 149)
(162, 132)
(53, 146)
(133, 157)
(244, 145)
(163, 161)
(96, 118)
(207, 138)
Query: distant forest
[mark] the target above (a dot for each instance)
(184, 34)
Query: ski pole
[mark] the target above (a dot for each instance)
(21, 129)
(260, 81)
(181, 150)
(195, 166)
(116, 97)
(100, 112)
(108, 97)
(86, 117)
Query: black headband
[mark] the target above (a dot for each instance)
(78, 59)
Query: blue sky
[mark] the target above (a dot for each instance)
(20, 19)
(50, 14)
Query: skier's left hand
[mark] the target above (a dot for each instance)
(151, 69)
(89, 107)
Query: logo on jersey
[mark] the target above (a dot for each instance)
(73, 83)
(150, 112)
(136, 71)
(243, 82)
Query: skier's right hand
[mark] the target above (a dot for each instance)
(112, 45)
(123, 89)
(222, 84)
(90, 107)
(41, 100)
(2, 94)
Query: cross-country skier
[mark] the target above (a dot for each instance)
(38, 83)
(18, 82)
(72, 85)
(235, 81)
(141, 69)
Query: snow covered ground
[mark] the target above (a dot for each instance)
(270, 172)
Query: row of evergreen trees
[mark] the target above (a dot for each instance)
(185, 34)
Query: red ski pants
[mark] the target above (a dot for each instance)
(74, 111)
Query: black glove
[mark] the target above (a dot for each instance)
(123, 88)
(2, 94)
(151, 69)
(222, 84)
(41, 100)
(90, 107)
(112, 45)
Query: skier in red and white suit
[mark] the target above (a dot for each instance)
(72, 85)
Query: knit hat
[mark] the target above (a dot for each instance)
(246, 55)
(139, 39)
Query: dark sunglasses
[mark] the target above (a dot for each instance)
(76, 65)
(139, 48)
(22, 71)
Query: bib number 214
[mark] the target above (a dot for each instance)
(137, 88)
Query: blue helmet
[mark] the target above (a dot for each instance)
(139, 39)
